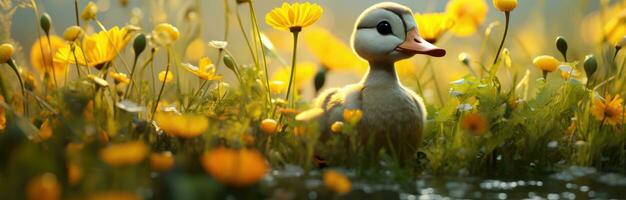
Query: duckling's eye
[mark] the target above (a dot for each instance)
(384, 28)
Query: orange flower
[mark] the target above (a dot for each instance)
(129, 153)
(161, 161)
(74, 173)
(337, 182)
(237, 168)
(44, 187)
(474, 123)
(3, 116)
(45, 131)
(352, 116)
(609, 110)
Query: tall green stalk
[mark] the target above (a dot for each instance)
(258, 36)
(293, 67)
(506, 30)
(167, 73)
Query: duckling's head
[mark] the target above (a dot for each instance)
(387, 32)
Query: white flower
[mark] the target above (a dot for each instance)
(218, 44)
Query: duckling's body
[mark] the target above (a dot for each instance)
(393, 116)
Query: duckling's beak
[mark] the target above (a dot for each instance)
(415, 44)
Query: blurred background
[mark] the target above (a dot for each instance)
(534, 26)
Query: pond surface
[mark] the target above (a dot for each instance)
(571, 183)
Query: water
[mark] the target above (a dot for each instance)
(571, 183)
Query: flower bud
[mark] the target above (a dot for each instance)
(139, 45)
(464, 58)
(89, 12)
(6, 51)
(72, 33)
(45, 22)
(269, 126)
(320, 79)
(591, 65)
(337, 127)
(561, 45)
(505, 5)
(230, 62)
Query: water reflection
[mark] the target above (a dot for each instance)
(571, 183)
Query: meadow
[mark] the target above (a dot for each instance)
(151, 109)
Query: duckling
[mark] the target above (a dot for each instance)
(393, 116)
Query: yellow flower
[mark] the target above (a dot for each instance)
(269, 126)
(161, 161)
(129, 153)
(183, 126)
(205, 69)
(293, 17)
(505, 5)
(166, 76)
(432, 26)
(609, 110)
(237, 168)
(89, 12)
(195, 50)
(6, 51)
(474, 123)
(165, 34)
(41, 56)
(72, 33)
(119, 77)
(99, 48)
(44, 187)
(546, 63)
(304, 73)
(337, 182)
(352, 116)
(327, 48)
(337, 127)
(277, 87)
(467, 15)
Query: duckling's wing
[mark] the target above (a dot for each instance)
(333, 101)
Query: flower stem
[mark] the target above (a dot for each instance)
(75, 59)
(132, 73)
(19, 78)
(76, 12)
(506, 30)
(167, 72)
(245, 36)
(293, 68)
(54, 76)
(432, 71)
(258, 35)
